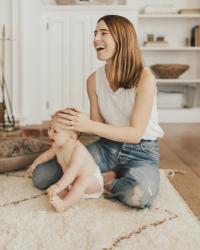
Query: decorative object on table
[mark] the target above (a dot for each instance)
(195, 36)
(189, 11)
(18, 153)
(159, 9)
(159, 41)
(65, 2)
(169, 71)
(150, 37)
(7, 120)
(160, 38)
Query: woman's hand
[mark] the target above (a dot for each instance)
(73, 119)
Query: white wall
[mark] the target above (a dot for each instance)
(5, 19)
(23, 57)
(30, 23)
(5, 14)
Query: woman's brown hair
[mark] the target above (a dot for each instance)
(127, 62)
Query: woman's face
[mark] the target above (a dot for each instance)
(103, 42)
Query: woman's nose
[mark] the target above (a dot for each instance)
(97, 37)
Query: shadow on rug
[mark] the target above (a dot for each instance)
(29, 222)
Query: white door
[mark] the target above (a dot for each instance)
(67, 61)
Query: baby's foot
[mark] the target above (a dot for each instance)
(53, 190)
(108, 178)
(57, 203)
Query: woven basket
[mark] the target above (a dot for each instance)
(66, 2)
(169, 71)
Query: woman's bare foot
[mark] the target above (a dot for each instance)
(57, 203)
(108, 178)
(53, 190)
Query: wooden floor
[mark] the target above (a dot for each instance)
(180, 149)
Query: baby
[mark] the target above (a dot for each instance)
(81, 176)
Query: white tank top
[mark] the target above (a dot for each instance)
(116, 107)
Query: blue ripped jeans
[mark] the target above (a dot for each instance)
(136, 166)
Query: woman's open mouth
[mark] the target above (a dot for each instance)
(100, 48)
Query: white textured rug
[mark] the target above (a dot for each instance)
(28, 222)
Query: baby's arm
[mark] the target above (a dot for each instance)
(70, 173)
(47, 155)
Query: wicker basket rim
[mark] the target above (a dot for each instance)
(170, 65)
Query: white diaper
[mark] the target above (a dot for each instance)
(99, 177)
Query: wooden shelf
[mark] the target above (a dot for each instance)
(86, 7)
(145, 16)
(148, 48)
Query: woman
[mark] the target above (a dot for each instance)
(123, 113)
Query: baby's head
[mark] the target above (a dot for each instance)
(59, 136)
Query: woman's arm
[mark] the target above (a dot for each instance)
(140, 116)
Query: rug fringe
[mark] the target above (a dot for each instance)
(172, 172)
